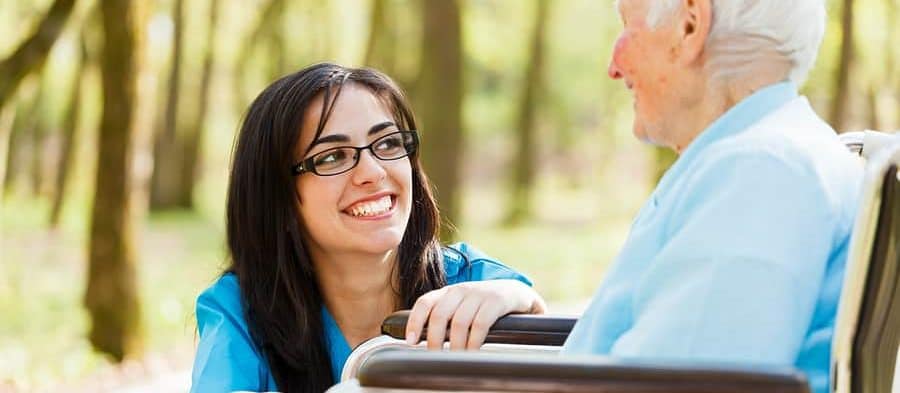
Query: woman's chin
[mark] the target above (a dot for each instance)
(379, 244)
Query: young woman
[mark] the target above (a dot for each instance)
(332, 227)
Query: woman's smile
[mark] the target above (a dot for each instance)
(376, 207)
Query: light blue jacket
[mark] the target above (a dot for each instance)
(738, 255)
(228, 359)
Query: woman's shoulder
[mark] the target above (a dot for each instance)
(221, 299)
(227, 358)
(464, 262)
(224, 289)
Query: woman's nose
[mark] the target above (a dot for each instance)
(369, 169)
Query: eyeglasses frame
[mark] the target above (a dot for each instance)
(301, 167)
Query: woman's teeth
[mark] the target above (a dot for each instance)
(371, 208)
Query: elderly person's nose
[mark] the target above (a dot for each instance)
(613, 71)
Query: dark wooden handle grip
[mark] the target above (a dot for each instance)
(525, 329)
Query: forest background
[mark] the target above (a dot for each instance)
(112, 218)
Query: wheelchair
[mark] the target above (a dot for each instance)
(519, 354)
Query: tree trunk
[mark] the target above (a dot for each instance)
(874, 120)
(15, 146)
(194, 130)
(111, 297)
(166, 177)
(70, 128)
(275, 36)
(22, 143)
(841, 103)
(38, 133)
(527, 154)
(381, 48)
(439, 102)
(7, 115)
(245, 54)
(32, 53)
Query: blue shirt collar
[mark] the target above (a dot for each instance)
(737, 119)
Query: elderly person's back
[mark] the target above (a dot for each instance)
(738, 255)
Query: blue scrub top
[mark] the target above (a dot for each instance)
(227, 358)
(738, 255)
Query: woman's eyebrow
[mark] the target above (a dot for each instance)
(330, 139)
(344, 138)
(380, 126)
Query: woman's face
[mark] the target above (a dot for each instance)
(363, 210)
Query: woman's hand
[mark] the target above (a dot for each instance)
(469, 308)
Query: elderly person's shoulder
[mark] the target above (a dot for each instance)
(790, 149)
(795, 137)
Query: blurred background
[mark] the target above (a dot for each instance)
(112, 211)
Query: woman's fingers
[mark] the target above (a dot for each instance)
(419, 315)
(462, 321)
(487, 314)
(441, 314)
(470, 309)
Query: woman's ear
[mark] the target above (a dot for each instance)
(694, 29)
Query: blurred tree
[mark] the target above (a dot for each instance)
(874, 119)
(391, 44)
(111, 295)
(21, 146)
(381, 47)
(38, 135)
(166, 178)
(69, 130)
(267, 28)
(325, 27)
(439, 94)
(7, 115)
(526, 155)
(32, 53)
(840, 105)
(277, 47)
(195, 127)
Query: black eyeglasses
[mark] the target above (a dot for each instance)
(335, 161)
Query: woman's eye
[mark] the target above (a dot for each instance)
(390, 143)
(330, 157)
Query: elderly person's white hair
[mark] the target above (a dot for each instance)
(748, 33)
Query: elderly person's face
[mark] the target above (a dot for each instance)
(650, 61)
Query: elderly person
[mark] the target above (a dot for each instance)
(738, 254)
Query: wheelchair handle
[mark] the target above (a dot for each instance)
(523, 329)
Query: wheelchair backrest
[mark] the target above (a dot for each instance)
(865, 344)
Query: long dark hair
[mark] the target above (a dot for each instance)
(282, 300)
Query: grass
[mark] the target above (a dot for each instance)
(43, 326)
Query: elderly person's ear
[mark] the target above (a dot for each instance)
(694, 28)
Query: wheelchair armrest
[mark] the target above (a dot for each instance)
(460, 371)
(525, 329)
